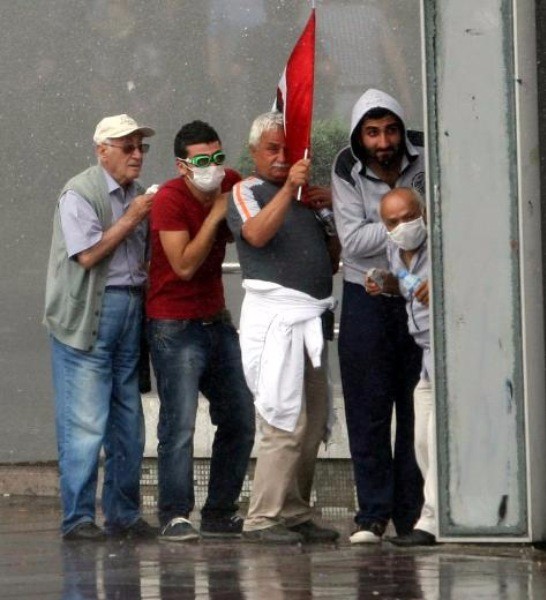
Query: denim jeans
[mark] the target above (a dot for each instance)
(188, 357)
(98, 405)
(380, 365)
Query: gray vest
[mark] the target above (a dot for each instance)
(73, 300)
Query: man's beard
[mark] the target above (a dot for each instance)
(391, 155)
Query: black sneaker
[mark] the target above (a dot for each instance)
(417, 537)
(179, 529)
(278, 534)
(139, 530)
(311, 532)
(368, 533)
(87, 531)
(223, 527)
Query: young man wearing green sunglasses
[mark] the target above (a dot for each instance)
(194, 346)
(204, 160)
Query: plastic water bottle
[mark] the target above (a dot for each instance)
(326, 216)
(377, 276)
(408, 281)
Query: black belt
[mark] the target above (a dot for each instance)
(128, 289)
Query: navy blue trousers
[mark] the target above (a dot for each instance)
(380, 365)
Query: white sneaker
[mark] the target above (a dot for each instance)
(367, 534)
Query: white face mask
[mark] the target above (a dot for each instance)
(410, 235)
(208, 179)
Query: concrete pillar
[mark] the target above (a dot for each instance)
(485, 219)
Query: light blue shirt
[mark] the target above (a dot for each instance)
(82, 230)
(418, 313)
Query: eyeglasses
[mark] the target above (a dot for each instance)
(204, 160)
(129, 148)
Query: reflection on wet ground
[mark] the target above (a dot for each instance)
(35, 563)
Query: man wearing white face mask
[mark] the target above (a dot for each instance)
(379, 360)
(402, 211)
(193, 344)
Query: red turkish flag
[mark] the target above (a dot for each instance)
(295, 93)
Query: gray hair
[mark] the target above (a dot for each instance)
(266, 122)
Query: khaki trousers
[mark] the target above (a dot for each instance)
(285, 464)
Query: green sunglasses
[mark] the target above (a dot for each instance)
(204, 160)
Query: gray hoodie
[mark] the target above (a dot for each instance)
(357, 192)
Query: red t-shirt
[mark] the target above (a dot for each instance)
(169, 297)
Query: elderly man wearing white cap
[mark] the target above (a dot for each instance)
(94, 296)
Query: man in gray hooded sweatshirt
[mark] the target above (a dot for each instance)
(380, 362)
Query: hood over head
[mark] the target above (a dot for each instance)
(369, 100)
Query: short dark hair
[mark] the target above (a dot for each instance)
(196, 132)
(378, 113)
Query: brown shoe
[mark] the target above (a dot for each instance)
(312, 533)
(278, 534)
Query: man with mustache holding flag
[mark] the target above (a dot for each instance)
(287, 275)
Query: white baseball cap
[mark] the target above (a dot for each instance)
(119, 126)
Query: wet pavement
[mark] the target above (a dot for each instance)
(36, 563)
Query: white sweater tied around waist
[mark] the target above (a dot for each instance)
(277, 325)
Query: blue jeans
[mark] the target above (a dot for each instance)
(189, 356)
(380, 365)
(98, 405)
